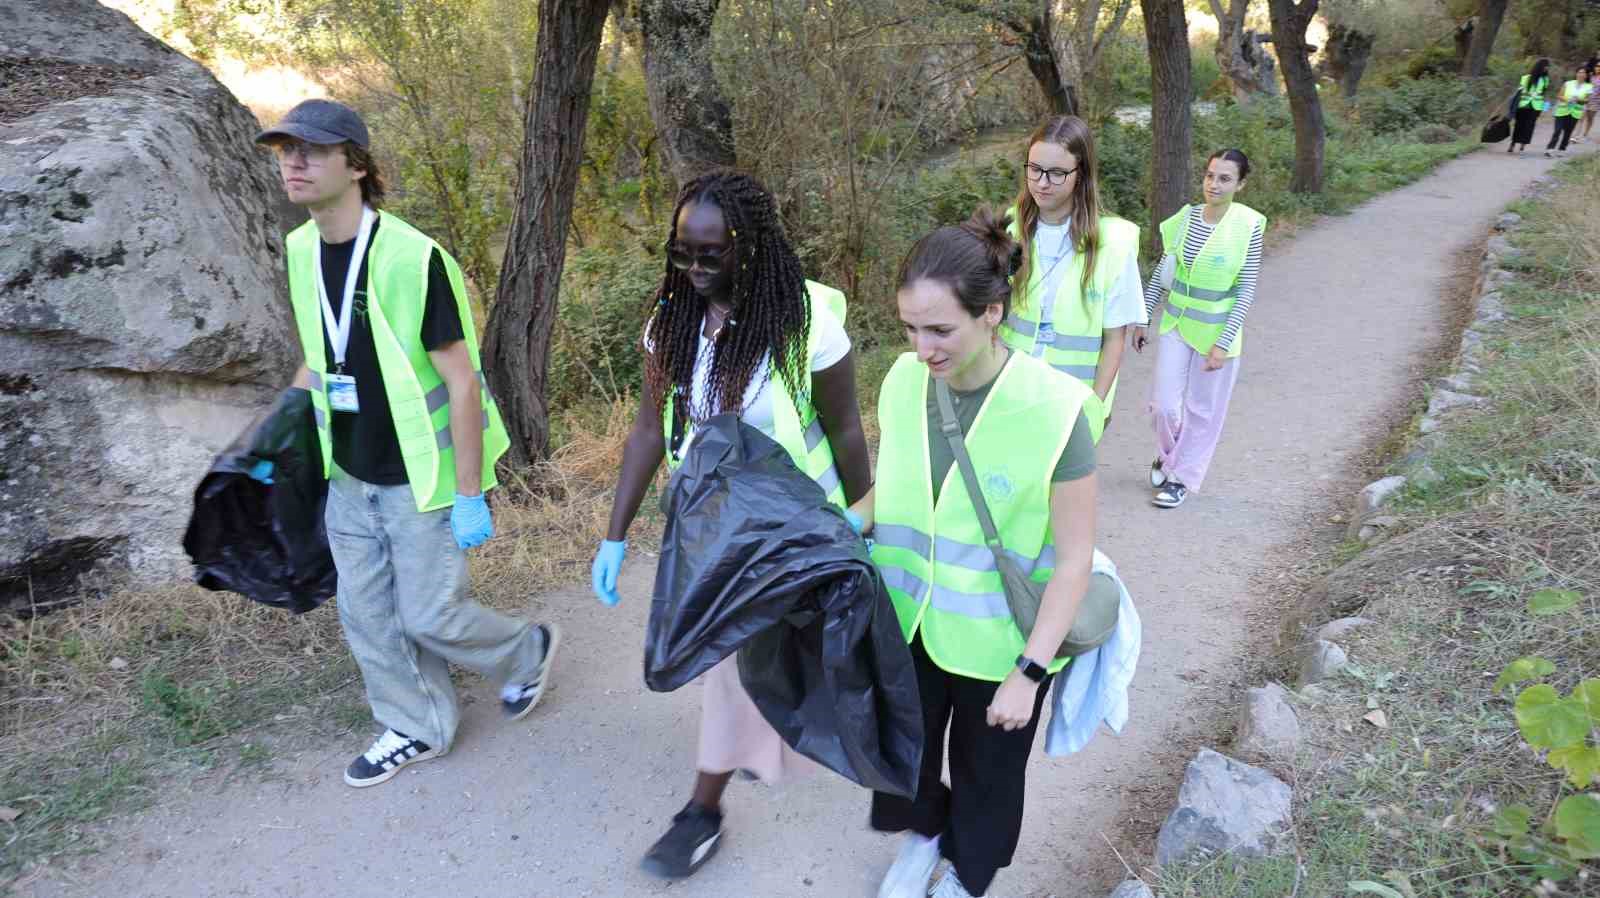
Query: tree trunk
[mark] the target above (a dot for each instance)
(1038, 49)
(691, 116)
(517, 339)
(1289, 21)
(1347, 55)
(1240, 56)
(1463, 41)
(1166, 31)
(1490, 14)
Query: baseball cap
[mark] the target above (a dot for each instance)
(322, 122)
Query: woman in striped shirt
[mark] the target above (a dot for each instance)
(1207, 275)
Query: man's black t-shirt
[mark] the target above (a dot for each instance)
(364, 442)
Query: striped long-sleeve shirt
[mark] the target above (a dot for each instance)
(1193, 242)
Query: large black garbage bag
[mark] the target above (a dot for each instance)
(755, 560)
(267, 543)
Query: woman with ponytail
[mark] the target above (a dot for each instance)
(1077, 292)
(1207, 276)
(736, 329)
(1025, 429)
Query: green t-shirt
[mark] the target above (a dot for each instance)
(1076, 461)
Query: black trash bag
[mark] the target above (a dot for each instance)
(267, 543)
(755, 560)
(1498, 129)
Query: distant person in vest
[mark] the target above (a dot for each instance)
(735, 329)
(1592, 105)
(1078, 288)
(1530, 102)
(1211, 258)
(1026, 429)
(409, 440)
(1570, 103)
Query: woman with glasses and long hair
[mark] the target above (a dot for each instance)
(1077, 292)
(735, 329)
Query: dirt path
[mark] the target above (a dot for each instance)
(564, 803)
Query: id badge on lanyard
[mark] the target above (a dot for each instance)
(341, 387)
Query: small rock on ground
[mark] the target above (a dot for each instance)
(1226, 806)
(1320, 660)
(1132, 888)
(1268, 726)
(1335, 630)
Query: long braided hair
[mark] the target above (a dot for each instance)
(771, 312)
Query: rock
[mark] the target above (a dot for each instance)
(118, 664)
(1423, 475)
(1428, 425)
(1375, 527)
(1268, 726)
(1226, 806)
(1501, 248)
(1319, 660)
(1461, 382)
(1447, 400)
(1507, 220)
(1492, 300)
(1372, 497)
(143, 304)
(1496, 279)
(1132, 888)
(1335, 630)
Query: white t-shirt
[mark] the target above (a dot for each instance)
(1052, 248)
(833, 344)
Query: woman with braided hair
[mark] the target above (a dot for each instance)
(736, 329)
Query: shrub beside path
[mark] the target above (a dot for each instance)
(564, 803)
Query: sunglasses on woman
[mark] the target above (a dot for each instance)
(710, 263)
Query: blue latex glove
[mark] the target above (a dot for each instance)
(261, 472)
(607, 566)
(470, 522)
(854, 519)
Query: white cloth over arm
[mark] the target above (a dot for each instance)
(1095, 687)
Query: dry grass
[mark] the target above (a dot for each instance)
(1517, 508)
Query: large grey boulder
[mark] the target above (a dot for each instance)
(1268, 727)
(1319, 660)
(1226, 806)
(143, 309)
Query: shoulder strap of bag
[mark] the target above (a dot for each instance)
(1010, 574)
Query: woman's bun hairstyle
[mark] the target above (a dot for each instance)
(975, 259)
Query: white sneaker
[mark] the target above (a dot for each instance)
(950, 887)
(1158, 477)
(912, 868)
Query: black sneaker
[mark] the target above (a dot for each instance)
(518, 699)
(1171, 495)
(384, 759)
(692, 840)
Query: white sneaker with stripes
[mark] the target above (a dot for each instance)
(384, 759)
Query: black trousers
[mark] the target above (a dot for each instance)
(979, 815)
(1563, 132)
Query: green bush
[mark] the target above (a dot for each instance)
(594, 351)
(1434, 133)
(1452, 102)
(1437, 61)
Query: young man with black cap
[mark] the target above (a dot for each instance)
(409, 439)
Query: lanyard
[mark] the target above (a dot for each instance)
(339, 328)
(1047, 303)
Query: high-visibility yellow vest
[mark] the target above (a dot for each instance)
(795, 422)
(1574, 95)
(419, 401)
(1077, 325)
(1201, 298)
(1532, 96)
(940, 574)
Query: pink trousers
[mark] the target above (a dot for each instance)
(1187, 407)
(734, 735)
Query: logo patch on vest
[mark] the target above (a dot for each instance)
(997, 485)
(1219, 259)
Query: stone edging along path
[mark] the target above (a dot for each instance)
(1228, 806)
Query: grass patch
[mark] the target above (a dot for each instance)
(1419, 807)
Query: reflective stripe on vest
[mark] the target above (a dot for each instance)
(1078, 332)
(941, 577)
(806, 443)
(1202, 297)
(397, 279)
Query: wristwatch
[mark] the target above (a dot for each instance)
(1031, 670)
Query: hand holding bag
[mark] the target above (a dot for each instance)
(1097, 613)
